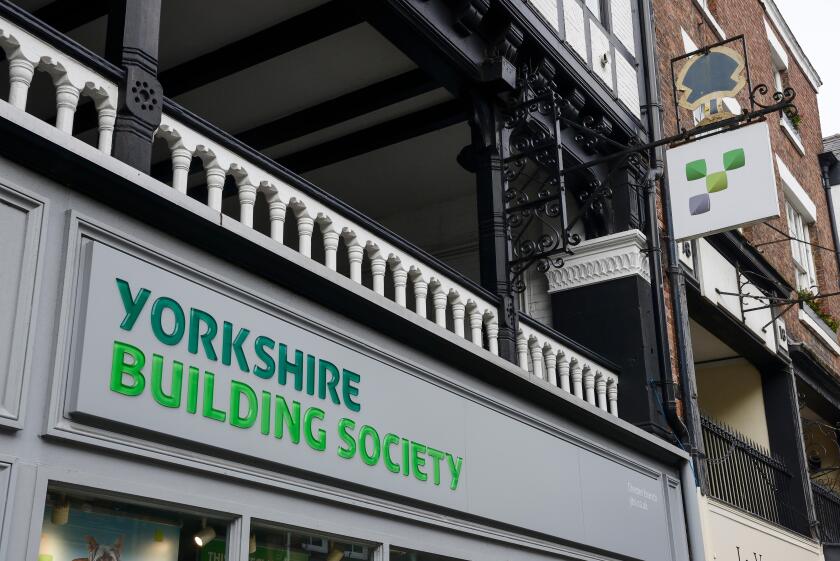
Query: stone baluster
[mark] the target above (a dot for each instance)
(378, 264)
(458, 308)
(106, 117)
(439, 299)
(355, 254)
(475, 326)
(215, 186)
(247, 198)
(492, 335)
(66, 101)
(550, 365)
(421, 289)
(306, 225)
(400, 277)
(522, 351)
(576, 378)
(589, 384)
(601, 390)
(563, 371)
(181, 160)
(612, 396)
(277, 217)
(330, 237)
(21, 72)
(536, 358)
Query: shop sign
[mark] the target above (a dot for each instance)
(167, 354)
(722, 182)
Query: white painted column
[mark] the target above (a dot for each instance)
(377, 269)
(247, 198)
(563, 371)
(181, 159)
(475, 326)
(439, 304)
(305, 224)
(21, 72)
(522, 352)
(330, 248)
(215, 185)
(458, 308)
(550, 365)
(106, 117)
(601, 390)
(589, 384)
(536, 358)
(612, 396)
(277, 218)
(355, 254)
(576, 378)
(66, 101)
(493, 336)
(400, 276)
(421, 289)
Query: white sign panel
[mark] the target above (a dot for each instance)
(722, 182)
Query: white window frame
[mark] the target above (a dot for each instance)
(803, 255)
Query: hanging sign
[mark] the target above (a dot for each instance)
(722, 182)
(709, 77)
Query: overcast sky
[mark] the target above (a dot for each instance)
(814, 22)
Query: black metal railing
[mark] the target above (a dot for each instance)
(746, 475)
(827, 507)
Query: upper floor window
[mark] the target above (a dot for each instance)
(803, 257)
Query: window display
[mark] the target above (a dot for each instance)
(402, 554)
(79, 527)
(298, 545)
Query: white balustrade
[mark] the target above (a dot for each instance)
(27, 53)
(547, 359)
(313, 218)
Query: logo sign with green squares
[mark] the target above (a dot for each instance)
(722, 182)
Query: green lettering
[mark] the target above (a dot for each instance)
(405, 449)
(207, 406)
(197, 317)
(173, 400)
(133, 306)
(192, 390)
(349, 389)
(310, 375)
(389, 440)
(317, 441)
(349, 450)
(284, 367)
(267, 370)
(265, 413)
(161, 304)
(238, 390)
(418, 461)
(119, 368)
(291, 419)
(229, 343)
(436, 456)
(366, 433)
(455, 466)
(323, 385)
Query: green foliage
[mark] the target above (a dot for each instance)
(815, 304)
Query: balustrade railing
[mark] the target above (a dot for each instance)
(395, 268)
(745, 475)
(827, 507)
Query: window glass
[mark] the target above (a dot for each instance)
(268, 544)
(85, 527)
(803, 257)
(402, 554)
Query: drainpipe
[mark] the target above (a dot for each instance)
(689, 481)
(826, 164)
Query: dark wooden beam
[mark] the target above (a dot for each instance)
(67, 15)
(339, 109)
(288, 35)
(375, 137)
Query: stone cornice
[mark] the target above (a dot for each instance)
(602, 259)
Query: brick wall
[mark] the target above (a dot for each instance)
(747, 17)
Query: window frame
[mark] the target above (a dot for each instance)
(801, 251)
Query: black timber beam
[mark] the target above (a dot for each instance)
(67, 15)
(339, 109)
(288, 35)
(375, 137)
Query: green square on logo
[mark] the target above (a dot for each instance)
(734, 159)
(716, 182)
(695, 170)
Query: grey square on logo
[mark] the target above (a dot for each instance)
(699, 204)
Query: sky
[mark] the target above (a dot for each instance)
(814, 23)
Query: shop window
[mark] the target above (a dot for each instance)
(79, 526)
(803, 256)
(402, 554)
(299, 545)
